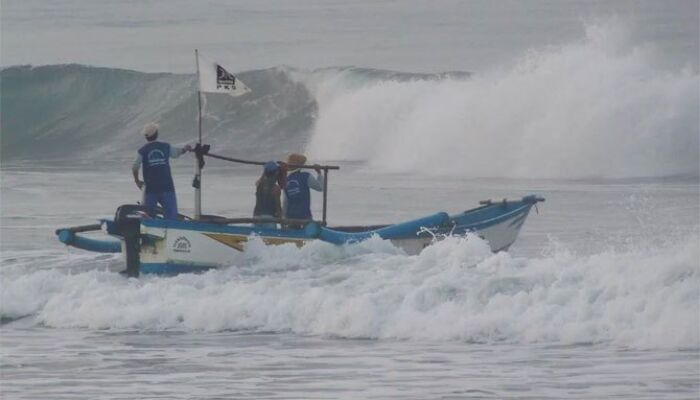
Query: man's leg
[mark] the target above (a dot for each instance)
(169, 203)
(149, 201)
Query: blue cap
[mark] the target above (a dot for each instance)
(270, 167)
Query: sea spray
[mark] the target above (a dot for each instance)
(596, 107)
(454, 290)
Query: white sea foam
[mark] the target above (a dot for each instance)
(598, 107)
(454, 290)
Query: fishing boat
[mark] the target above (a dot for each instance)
(153, 244)
(165, 246)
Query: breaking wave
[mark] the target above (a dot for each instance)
(456, 290)
(598, 107)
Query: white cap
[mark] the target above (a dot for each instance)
(150, 129)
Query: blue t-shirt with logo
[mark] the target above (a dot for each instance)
(298, 195)
(155, 158)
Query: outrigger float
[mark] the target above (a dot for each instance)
(153, 244)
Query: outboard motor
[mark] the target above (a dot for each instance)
(128, 221)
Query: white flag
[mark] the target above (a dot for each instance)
(213, 78)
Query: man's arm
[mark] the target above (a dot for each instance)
(176, 152)
(317, 182)
(135, 170)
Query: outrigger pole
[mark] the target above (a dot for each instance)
(197, 182)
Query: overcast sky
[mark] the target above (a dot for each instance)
(417, 36)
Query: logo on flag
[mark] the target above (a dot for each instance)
(213, 78)
(224, 79)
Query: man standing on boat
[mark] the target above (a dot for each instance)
(154, 156)
(297, 199)
(267, 195)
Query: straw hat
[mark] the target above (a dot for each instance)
(296, 159)
(150, 129)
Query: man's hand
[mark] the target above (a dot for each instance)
(317, 168)
(188, 147)
(139, 183)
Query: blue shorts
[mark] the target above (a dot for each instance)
(167, 201)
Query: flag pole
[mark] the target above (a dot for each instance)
(198, 169)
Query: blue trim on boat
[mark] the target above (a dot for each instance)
(404, 230)
(172, 269)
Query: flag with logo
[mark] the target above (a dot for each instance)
(214, 78)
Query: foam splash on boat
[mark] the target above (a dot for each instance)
(456, 290)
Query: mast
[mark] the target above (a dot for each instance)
(197, 169)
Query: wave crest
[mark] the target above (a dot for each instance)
(599, 107)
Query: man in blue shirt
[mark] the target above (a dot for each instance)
(297, 204)
(154, 157)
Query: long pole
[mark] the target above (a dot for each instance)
(241, 161)
(325, 195)
(198, 169)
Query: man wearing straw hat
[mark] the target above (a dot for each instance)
(297, 196)
(154, 156)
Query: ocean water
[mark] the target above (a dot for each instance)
(426, 107)
(599, 297)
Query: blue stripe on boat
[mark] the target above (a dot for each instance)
(404, 230)
(171, 269)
